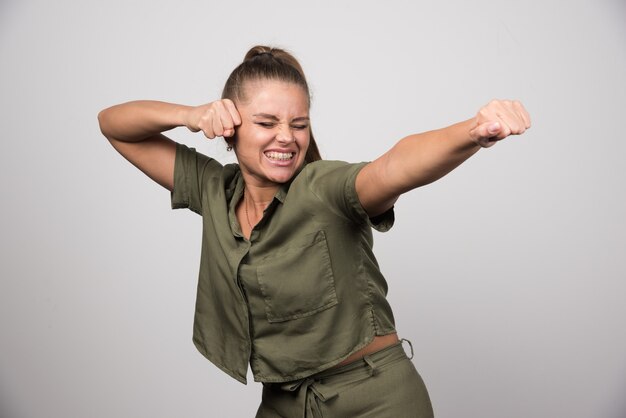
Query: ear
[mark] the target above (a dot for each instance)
(231, 140)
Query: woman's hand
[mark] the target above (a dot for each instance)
(423, 158)
(497, 120)
(218, 118)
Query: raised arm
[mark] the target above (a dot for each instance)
(423, 158)
(135, 131)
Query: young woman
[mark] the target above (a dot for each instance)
(288, 282)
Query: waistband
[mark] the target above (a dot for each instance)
(327, 384)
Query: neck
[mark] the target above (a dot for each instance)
(259, 200)
(253, 209)
(255, 200)
(258, 194)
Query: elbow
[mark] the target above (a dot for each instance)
(103, 120)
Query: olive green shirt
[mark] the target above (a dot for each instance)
(305, 291)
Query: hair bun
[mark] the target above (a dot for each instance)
(258, 51)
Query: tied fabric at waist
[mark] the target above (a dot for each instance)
(328, 384)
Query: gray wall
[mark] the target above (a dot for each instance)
(508, 275)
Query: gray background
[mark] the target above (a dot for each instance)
(507, 275)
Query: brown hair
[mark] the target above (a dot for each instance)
(267, 63)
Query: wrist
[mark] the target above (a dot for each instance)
(181, 115)
(464, 134)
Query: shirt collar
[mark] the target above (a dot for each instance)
(234, 193)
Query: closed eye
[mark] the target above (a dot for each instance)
(270, 125)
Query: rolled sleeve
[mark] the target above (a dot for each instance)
(382, 222)
(334, 182)
(190, 168)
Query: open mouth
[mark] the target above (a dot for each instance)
(280, 156)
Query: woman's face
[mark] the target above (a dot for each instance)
(274, 134)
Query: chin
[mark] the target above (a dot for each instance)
(281, 175)
(282, 178)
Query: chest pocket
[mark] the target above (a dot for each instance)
(298, 281)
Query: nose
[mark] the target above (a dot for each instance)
(285, 135)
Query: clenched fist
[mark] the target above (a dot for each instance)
(218, 118)
(499, 119)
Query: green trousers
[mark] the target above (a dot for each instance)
(384, 384)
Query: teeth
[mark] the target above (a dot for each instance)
(279, 155)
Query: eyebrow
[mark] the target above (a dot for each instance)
(275, 118)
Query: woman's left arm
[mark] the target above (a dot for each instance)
(423, 158)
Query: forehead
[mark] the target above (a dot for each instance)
(275, 97)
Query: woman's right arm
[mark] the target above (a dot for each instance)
(135, 131)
